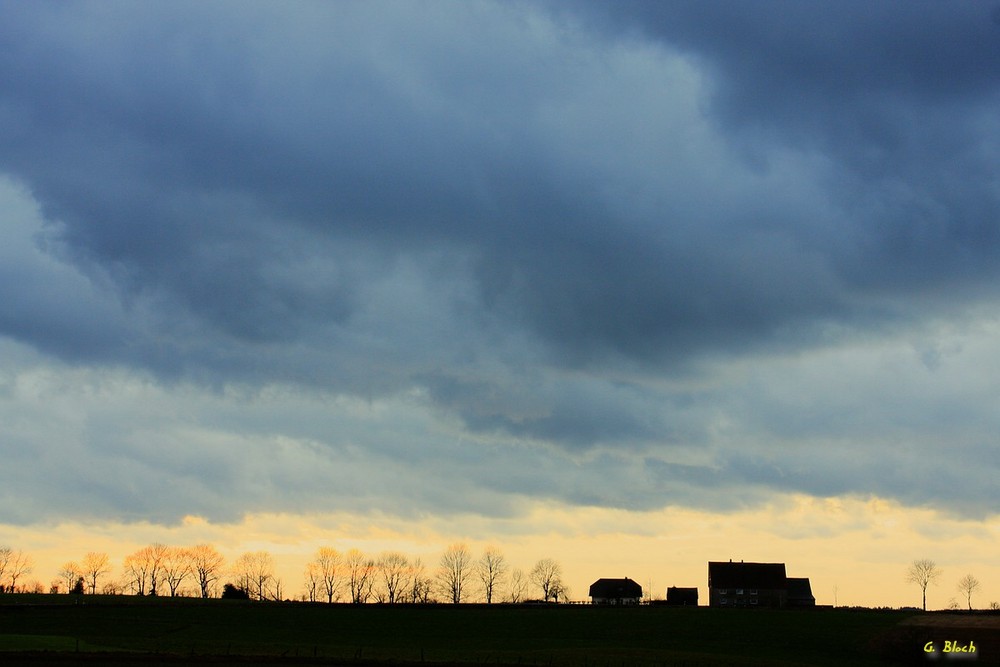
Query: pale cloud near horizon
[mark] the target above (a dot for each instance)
(854, 550)
(438, 259)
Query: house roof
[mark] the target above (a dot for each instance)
(746, 575)
(615, 588)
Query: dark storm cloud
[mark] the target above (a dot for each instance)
(565, 224)
(900, 97)
(190, 161)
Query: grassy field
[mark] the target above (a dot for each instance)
(445, 634)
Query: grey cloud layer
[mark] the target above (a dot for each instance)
(554, 222)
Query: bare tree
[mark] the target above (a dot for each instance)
(68, 574)
(18, 565)
(206, 564)
(6, 554)
(136, 567)
(157, 559)
(559, 591)
(456, 565)
(923, 572)
(419, 583)
(491, 568)
(96, 564)
(144, 568)
(254, 571)
(327, 564)
(112, 587)
(177, 566)
(13, 565)
(361, 575)
(968, 585)
(518, 585)
(312, 581)
(546, 574)
(393, 567)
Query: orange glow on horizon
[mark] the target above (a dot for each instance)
(854, 550)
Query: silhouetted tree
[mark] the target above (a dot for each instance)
(254, 571)
(360, 575)
(136, 569)
(311, 581)
(6, 554)
(393, 566)
(326, 569)
(559, 591)
(546, 574)
(112, 587)
(18, 565)
(144, 568)
(96, 564)
(923, 572)
(456, 565)
(207, 565)
(157, 558)
(517, 586)
(490, 568)
(177, 566)
(77, 587)
(419, 583)
(968, 585)
(69, 573)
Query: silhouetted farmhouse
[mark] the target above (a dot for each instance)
(682, 597)
(615, 591)
(756, 585)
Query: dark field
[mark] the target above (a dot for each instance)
(51, 630)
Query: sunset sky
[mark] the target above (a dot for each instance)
(633, 285)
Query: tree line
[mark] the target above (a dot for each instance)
(389, 577)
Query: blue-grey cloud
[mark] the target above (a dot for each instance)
(564, 229)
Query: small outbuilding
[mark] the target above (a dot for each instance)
(682, 597)
(615, 592)
(800, 592)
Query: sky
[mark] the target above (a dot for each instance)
(636, 285)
